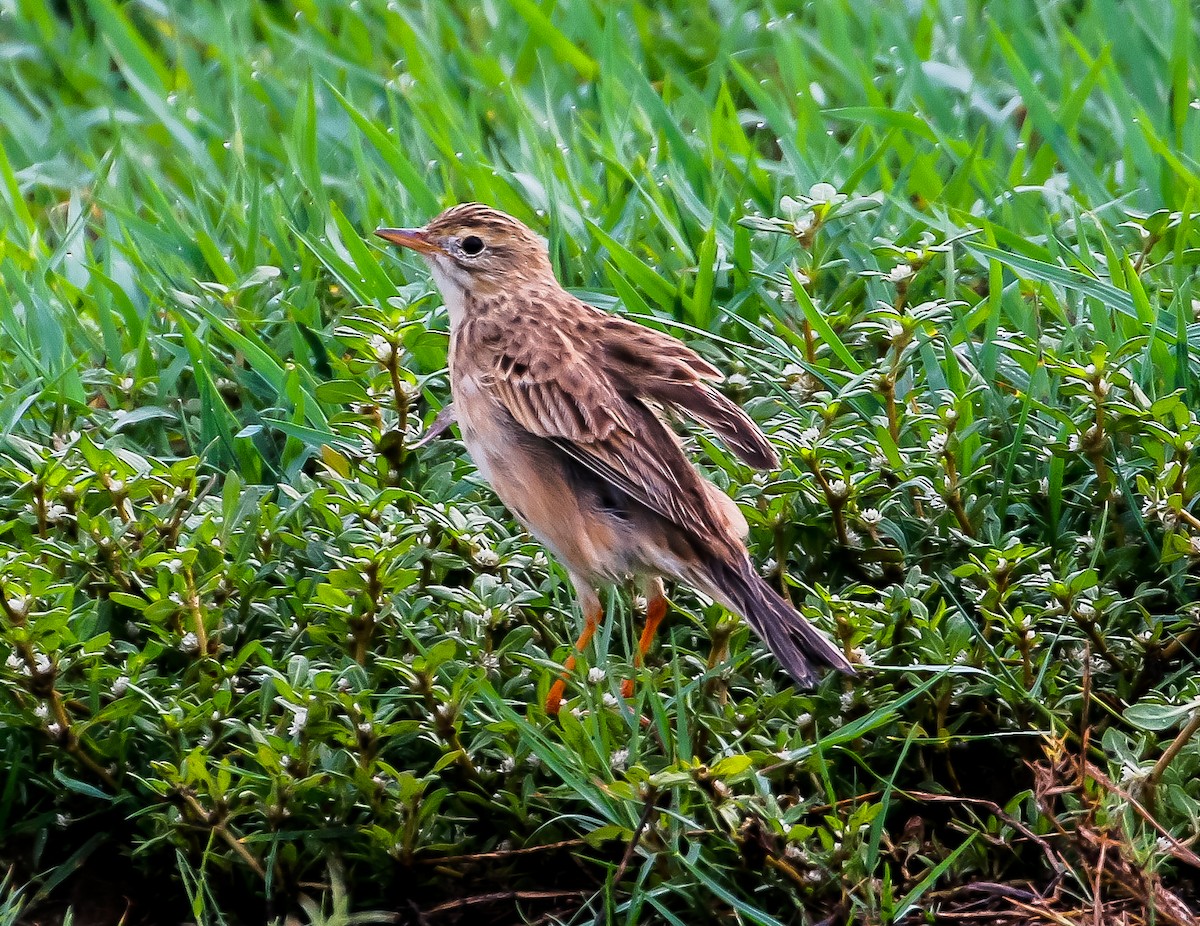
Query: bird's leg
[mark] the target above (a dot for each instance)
(656, 610)
(589, 603)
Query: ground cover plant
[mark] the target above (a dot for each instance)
(264, 655)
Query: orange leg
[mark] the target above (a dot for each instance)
(656, 610)
(590, 605)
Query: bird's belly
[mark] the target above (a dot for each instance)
(528, 474)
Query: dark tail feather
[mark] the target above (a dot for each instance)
(732, 424)
(799, 646)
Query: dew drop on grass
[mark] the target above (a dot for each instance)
(296, 268)
(225, 145)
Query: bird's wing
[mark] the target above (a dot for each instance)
(661, 369)
(559, 393)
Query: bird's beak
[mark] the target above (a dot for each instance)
(416, 238)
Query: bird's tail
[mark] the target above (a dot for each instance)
(798, 645)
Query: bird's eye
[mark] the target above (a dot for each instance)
(472, 245)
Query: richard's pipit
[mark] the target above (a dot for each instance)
(559, 405)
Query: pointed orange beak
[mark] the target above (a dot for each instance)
(416, 238)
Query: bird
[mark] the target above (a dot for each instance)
(563, 409)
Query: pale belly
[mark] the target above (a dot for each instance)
(528, 475)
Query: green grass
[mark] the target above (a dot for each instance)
(257, 647)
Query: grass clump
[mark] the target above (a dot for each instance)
(259, 643)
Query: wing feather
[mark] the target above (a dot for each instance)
(662, 369)
(577, 405)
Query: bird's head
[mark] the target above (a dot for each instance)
(474, 248)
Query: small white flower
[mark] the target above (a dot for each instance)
(532, 761)
(1085, 610)
(901, 273)
(1044, 486)
(871, 517)
(42, 711)
(595, 675)
(737, 382)
(1030, 636)
(809, 437)
(299, 719)
(488, 559)
(847, 700)
(174, 565)
(579, 712)
(508, 765)
(490, 662)
(62, 819)
(54, 729)
(618, 760)
(41, 664)
(839, 489)
(937, 443)
(55, 513)
(120, 685)
(364, 728)
(609, 699)
(382, 348)
(14, 662)
(190, 643)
